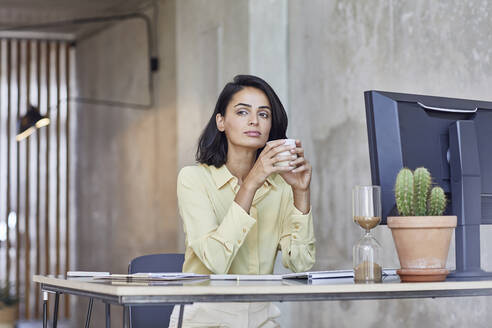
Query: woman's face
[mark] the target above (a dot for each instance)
(248, 119)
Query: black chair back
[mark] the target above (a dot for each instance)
(156, 315)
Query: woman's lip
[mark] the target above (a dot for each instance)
(253, 133)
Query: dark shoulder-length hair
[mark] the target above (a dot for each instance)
(212, 145)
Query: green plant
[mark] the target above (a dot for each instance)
(414, 196)
(6, 298)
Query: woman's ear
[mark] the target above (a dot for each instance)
(219, 120)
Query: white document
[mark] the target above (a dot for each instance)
(86, 274)
(154, 276)
(245, 277)
(332, 274)
(320, 274)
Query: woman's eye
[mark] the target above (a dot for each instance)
(264, 115)
(242, 112)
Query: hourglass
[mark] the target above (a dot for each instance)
(366, 207)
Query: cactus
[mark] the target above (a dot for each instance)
(413, 197)
(421, 186)
(404, 192)
(437, 201)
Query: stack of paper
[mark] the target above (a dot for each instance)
(175, 276)
(84, 274)
(320, 274)
(333, 274)
(154, 276)
(245, 277)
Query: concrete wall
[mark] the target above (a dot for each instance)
(320, 56)
(126, 167)
(339, 49)
(212, 46)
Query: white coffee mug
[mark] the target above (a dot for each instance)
(291, 142)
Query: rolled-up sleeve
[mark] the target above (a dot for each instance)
(297, 240)
(215, 241)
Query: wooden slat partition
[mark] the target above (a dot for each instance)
(9, 204)
(47, 165)
(67, 172)
(57, 234)
(18, 184)
(38, 162)
(47, 269)
(27, 243)
(35, 193)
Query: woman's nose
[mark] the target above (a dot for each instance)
(253, 120)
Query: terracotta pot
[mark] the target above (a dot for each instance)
(422, 242)
(8, 316)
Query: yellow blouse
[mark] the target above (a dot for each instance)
(222, 238)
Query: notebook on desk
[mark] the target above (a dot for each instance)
(320, 274)
(331, 274)
(239, 277)
(153, 276)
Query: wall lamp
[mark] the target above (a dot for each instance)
(29, 122)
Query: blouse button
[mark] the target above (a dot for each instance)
(239, 242)
(294, 237)
(244, 230)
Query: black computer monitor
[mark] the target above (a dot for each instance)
(450, 137)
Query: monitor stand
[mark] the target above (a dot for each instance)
(466, 188)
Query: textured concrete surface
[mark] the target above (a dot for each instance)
(128, 159)
(126, 167)
(339, 49)
(212, 46)
(15, 13)
(268, 44)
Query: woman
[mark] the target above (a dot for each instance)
(238, 207)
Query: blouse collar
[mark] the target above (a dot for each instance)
(222, 176)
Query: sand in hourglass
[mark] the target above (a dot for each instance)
(367, 222)
(368, 272)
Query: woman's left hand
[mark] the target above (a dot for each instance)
(300, 177)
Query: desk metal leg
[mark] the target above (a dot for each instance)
(89, 313)
(180, 319)
(45, 309)
(55, 312)
(108, 316)
(125, 309)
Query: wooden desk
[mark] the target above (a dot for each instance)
(126, 294)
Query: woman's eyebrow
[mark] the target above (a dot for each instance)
(242, 104)
(249, 106)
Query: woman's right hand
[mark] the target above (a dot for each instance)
(265, 163)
